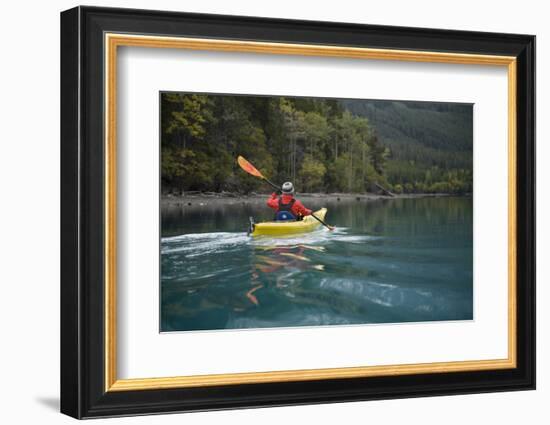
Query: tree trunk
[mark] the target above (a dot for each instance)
(290, 157)
(363, 165)
(350, 170)
(383, 189)
(294, 163)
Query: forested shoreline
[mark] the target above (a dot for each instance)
(322, 145)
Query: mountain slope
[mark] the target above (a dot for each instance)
(427, 133)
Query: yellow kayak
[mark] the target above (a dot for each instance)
(284, 228)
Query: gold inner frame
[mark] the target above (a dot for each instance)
(113, 41)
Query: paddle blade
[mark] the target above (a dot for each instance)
(248, 167)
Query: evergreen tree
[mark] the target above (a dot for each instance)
(320, 144)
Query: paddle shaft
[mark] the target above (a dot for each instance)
(322, 222)
(272, 184)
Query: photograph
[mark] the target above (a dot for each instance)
(286, 211)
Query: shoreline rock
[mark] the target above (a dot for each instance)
(227, 198)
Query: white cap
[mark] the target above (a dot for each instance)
(288, 187)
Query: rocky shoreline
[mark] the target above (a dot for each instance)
(226, 198)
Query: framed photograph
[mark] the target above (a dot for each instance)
(261, 212)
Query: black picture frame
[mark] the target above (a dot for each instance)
(83, 392)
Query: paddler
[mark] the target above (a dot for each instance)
(287, 207)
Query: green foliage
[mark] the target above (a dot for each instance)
(320, 144)
(339, 174)
(312, 174)
(186, 114)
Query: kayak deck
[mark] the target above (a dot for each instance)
(283, 228)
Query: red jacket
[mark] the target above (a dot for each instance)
(297, 208)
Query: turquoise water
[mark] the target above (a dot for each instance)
(388, 261)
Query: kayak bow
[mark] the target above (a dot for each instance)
(285, 228)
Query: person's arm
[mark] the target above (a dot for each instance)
(299, 209)
(273, 201)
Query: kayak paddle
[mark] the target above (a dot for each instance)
(250, 169)
(328, 226)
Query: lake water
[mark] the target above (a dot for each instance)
(388, 261)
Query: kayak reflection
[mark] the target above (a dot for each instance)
(283, 262)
